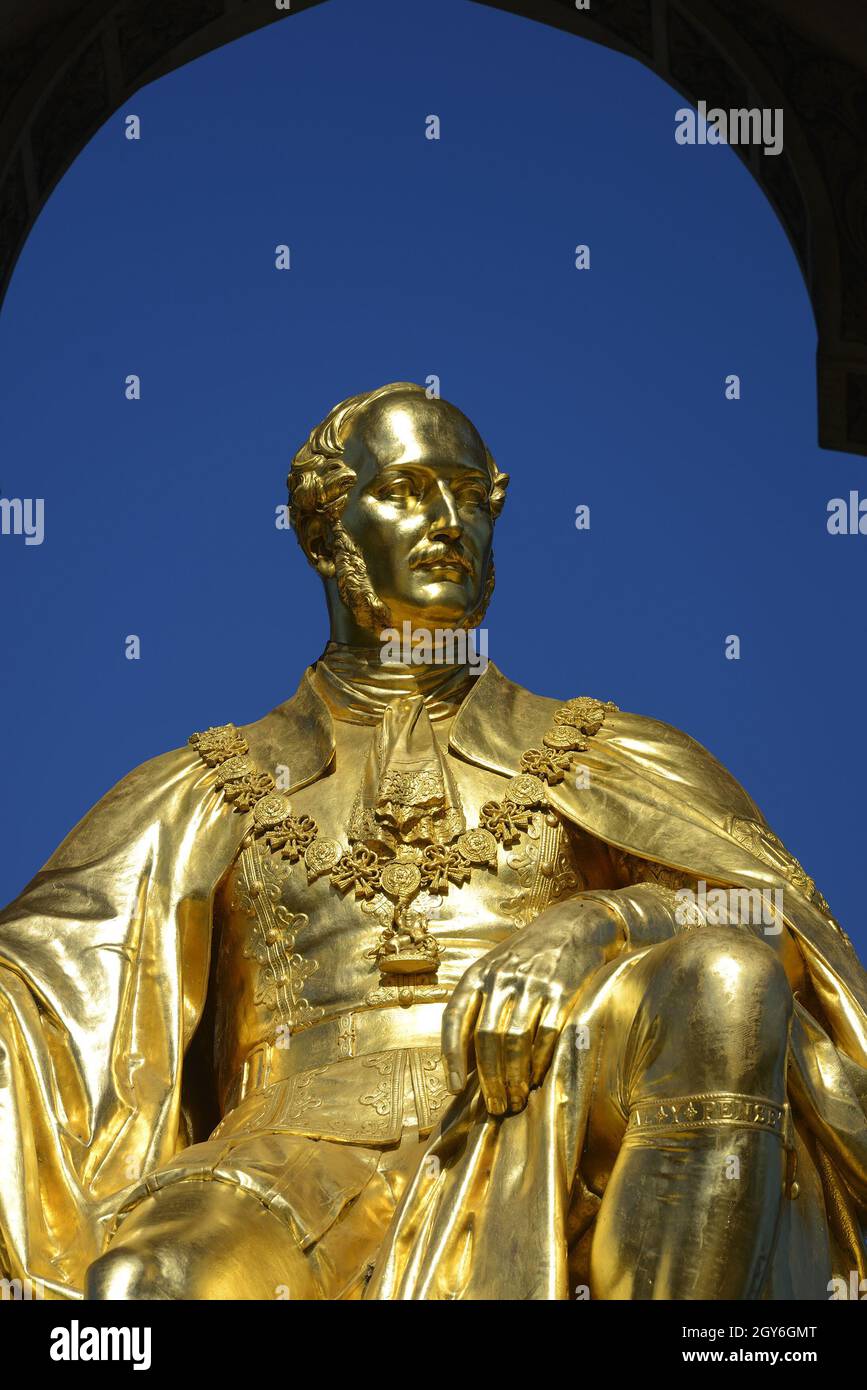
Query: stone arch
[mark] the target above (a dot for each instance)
(65, 67)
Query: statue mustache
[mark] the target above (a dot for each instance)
(441, 554)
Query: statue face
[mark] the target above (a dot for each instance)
(418, 510)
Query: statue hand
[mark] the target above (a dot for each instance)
(512, 1004)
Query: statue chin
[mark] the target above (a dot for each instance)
(443, 610)
(436, 604)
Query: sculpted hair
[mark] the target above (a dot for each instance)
(319, 480)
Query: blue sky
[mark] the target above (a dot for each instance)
(413, 257)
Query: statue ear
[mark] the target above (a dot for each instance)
(314, 533)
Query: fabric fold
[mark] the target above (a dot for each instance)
(407, 792)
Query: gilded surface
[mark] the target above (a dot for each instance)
(439, 1015)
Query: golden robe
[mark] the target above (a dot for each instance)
(105, 963)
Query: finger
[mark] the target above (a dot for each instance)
(488, 1040)
(518, 1049)
(551, 1022)
(459, 1019)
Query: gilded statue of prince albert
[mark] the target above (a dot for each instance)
(411, 989)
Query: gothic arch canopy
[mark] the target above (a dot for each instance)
(66, 66)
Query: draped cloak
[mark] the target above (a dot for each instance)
(104, 975)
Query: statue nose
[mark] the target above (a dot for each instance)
(446, 520)
(445, 528)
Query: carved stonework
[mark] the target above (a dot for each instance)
(65, 68)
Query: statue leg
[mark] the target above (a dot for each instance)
(201, 1240)
(692, 1090)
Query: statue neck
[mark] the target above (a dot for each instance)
(358, 687)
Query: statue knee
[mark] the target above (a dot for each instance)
(730, 968)
(721, 1000)
(733, 977)
(125, 1274)
(196, 1241)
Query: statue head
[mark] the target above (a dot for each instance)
(393, 499)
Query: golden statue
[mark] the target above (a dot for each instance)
(424, 986)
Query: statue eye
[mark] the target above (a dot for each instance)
(399, 490)
(473, 496)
